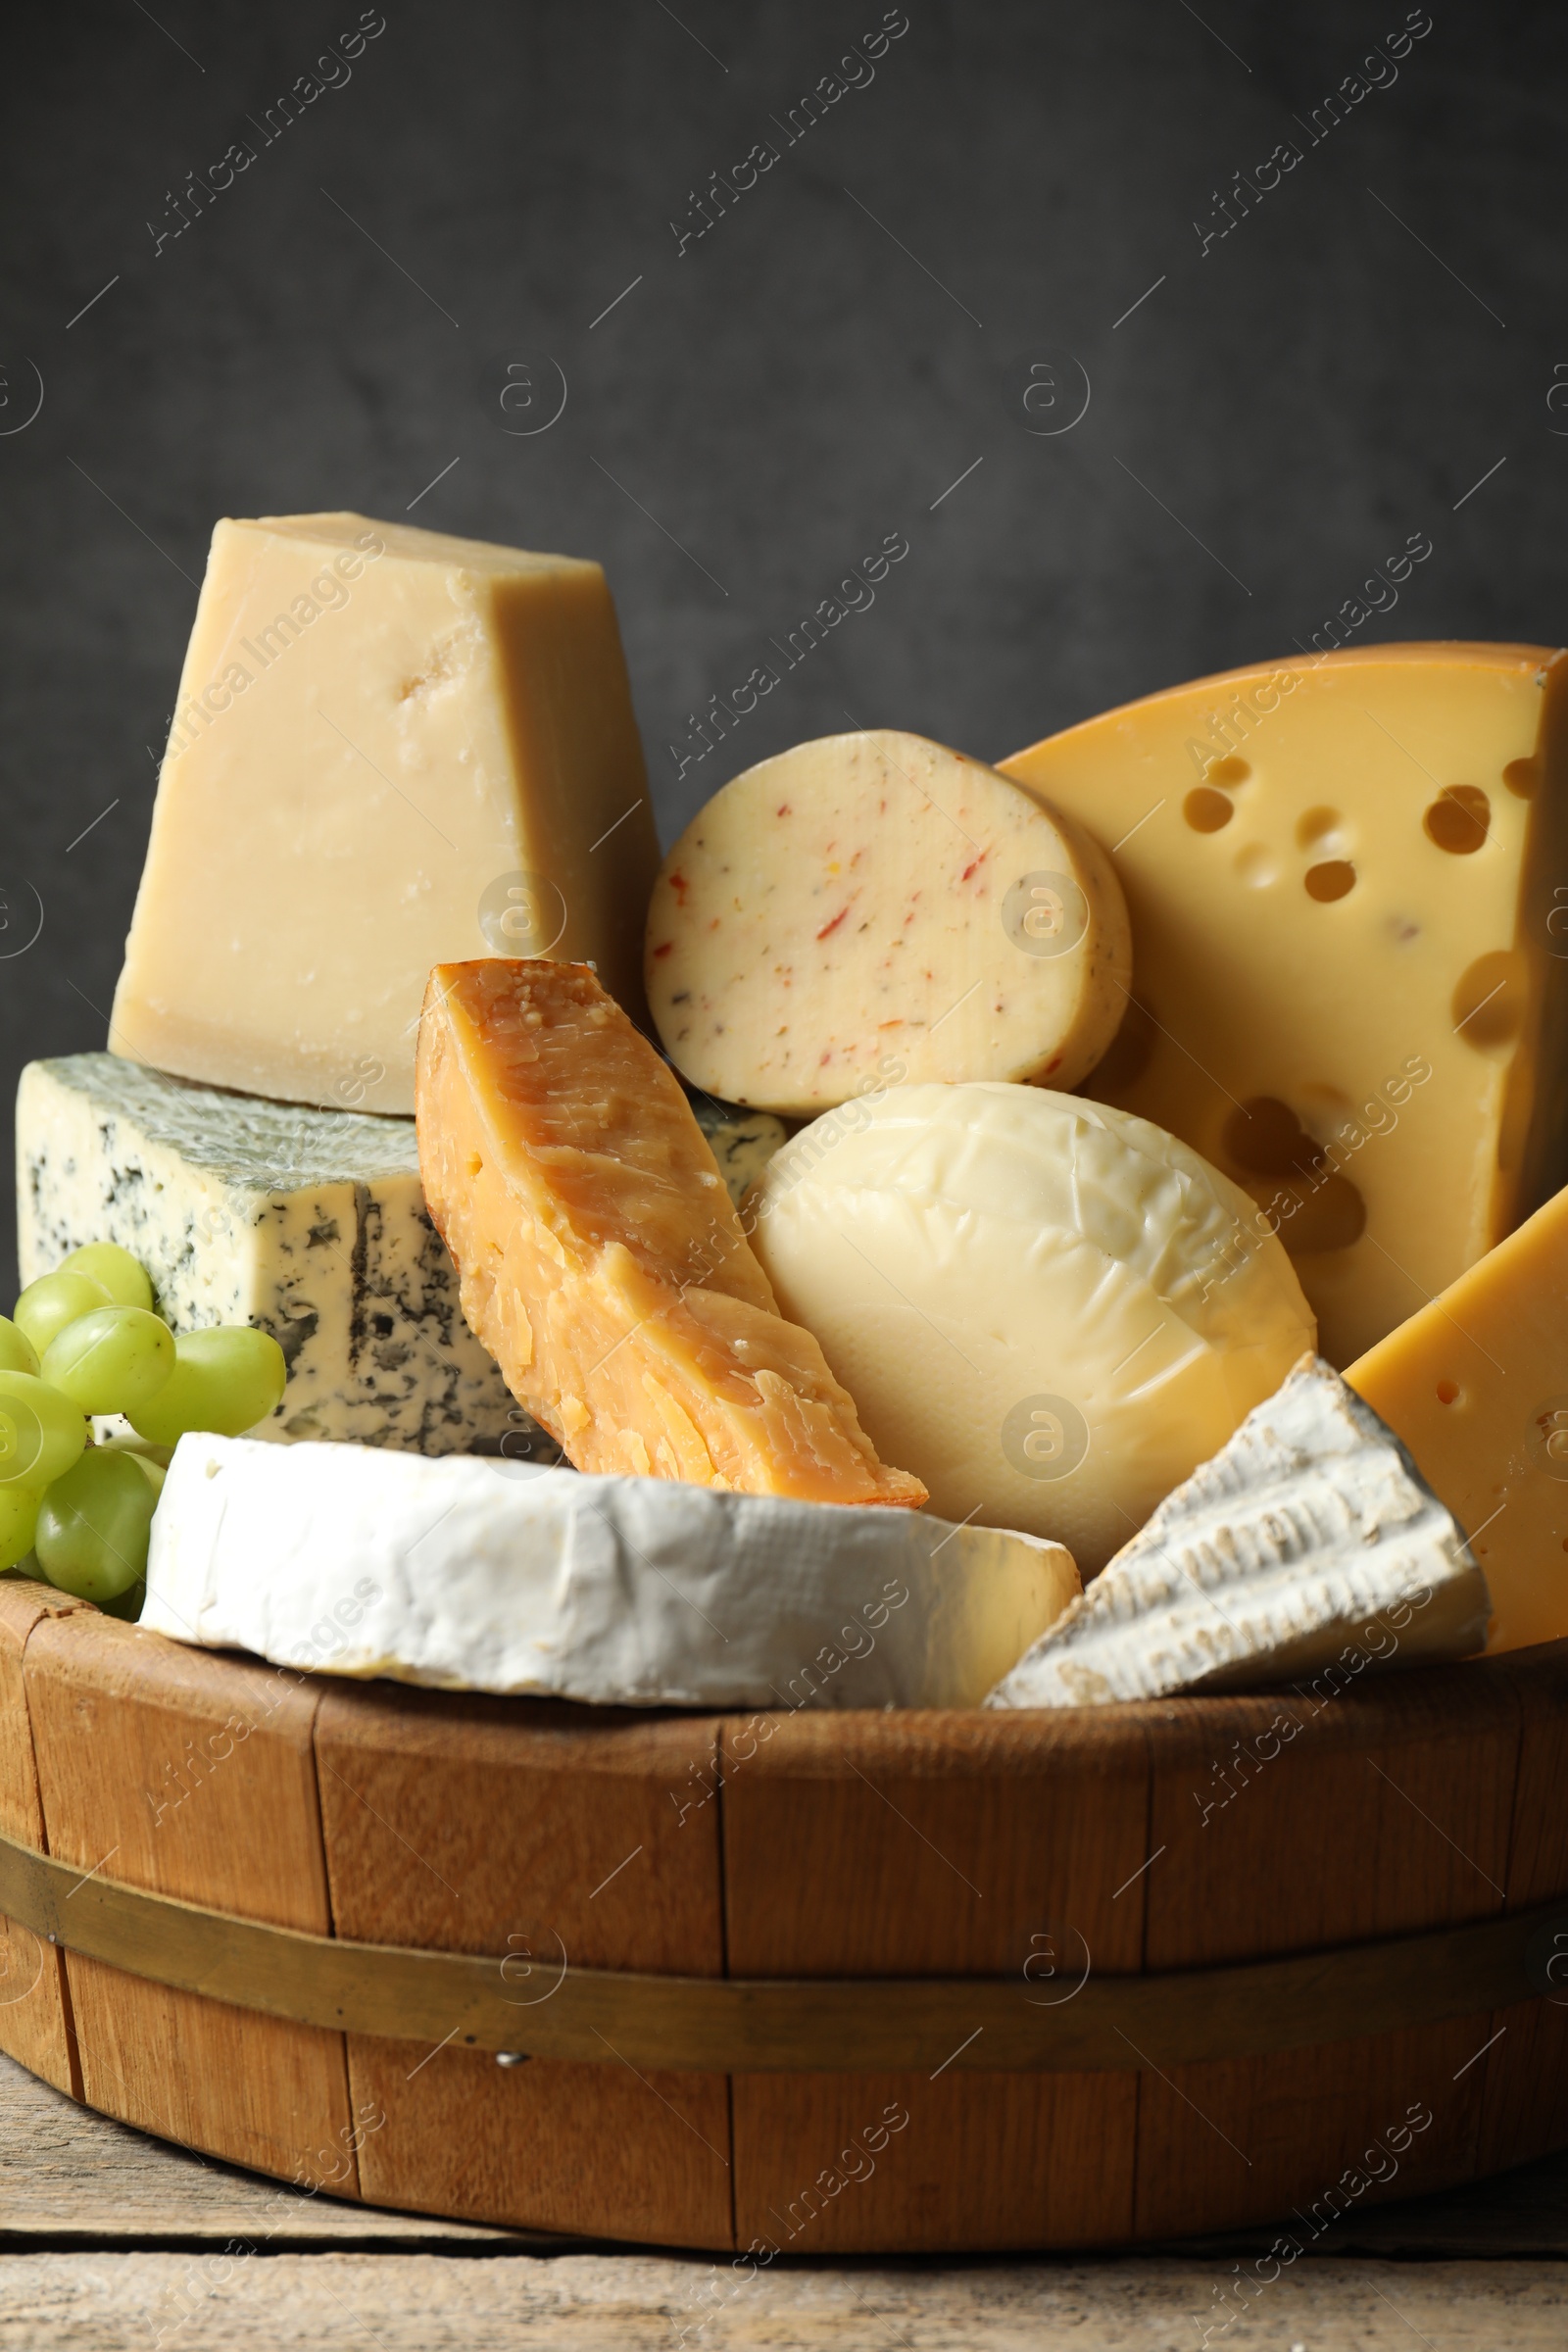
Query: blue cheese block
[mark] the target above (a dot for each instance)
(310, 1224)
(742, 1141)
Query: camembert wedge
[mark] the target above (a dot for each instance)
(600, 1257)
(1310, 1542)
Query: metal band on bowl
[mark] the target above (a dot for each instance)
(722, 2025)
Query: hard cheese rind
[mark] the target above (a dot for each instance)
(878, 896)
(1477, 1387)
(494, 1575)
(310, 1224)
(390, 747)
(1341, 874)
(1311, 1529)
(602, 1260)
(1032, 1298)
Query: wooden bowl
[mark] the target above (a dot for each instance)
(1101, 1843)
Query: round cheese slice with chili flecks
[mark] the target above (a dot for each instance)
(872, 904)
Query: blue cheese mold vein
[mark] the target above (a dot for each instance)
(307, 1223)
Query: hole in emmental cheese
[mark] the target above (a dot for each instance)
(1205, 810)
(1330, 880)
(1448, 1391)
(1489, 1001)
(1315, 1207)
(1458, 818)
(1319, 829)
(1266, 1138)
(1521, 777)
(1313, 1214)
(1227, 771)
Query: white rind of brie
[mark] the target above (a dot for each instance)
(1309, 1534)
(487, 1575)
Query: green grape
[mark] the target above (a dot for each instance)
(19, 1516)
(41, 1431)
(128, 1605)
(94, 1526)
(110, 1361)
(123, 1276)
(225, 1381)
(17, 1352)
(153, 1459)
(55, 1299)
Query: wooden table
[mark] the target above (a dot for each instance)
(109, 2239)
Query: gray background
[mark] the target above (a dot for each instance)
(1277, 415)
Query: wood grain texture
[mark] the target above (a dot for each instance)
(934, 1844)
(597, 2303)
(35, 2019)
(1303, 1819)
(70, 2177)
(546, 1834)
(1525, 2102)
(193, 1775)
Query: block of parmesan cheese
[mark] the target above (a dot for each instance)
(497, 1576)
(389, 747)
(1346, 876)
(600, 1255)
(873, 898)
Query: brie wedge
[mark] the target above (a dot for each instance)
(490, 1574)
(1309, 1546)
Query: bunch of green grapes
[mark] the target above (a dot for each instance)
(85, 1339)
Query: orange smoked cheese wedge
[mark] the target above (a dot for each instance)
(600, 1257)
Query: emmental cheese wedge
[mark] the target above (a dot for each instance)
(1347, 877)
(876, 900)
(1477, 1387)
(600, 1257)
(494, 1575)
(1309, 1543)
(389, 746)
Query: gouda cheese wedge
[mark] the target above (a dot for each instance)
(1477, 1386)
(600, 1257)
